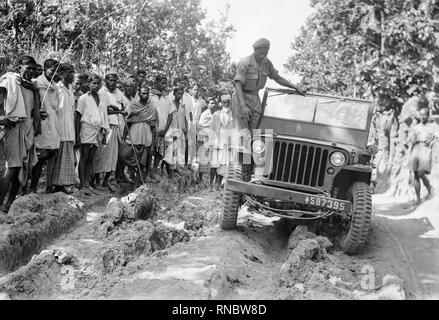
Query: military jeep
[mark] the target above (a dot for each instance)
(311, 161)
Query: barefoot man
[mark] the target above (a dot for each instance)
(422, 137)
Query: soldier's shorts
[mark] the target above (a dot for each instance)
(253, 102)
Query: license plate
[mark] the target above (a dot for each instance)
(326, 203)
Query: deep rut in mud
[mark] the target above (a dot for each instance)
(159, 243)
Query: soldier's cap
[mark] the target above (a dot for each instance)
(225, 98)
(262, 43)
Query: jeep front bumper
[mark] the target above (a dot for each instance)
(308, 199)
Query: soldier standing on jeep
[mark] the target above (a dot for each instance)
(251, 76)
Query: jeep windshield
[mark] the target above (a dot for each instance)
(318, 109)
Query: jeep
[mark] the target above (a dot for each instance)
(310, 160)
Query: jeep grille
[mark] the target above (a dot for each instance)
(299, 163)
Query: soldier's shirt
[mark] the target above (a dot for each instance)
(253, 77)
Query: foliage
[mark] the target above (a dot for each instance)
(159, 36)
(364, 48)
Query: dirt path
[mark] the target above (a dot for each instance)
(209, 265)
(179, 252)
(399, 244)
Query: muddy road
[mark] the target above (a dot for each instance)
(404, 240)
(163, 242)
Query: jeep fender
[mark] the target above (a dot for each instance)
(358, 168)
(350, 174)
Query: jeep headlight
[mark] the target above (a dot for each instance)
(337, 159)
(258, 146)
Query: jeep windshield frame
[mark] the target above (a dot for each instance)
(317, 116)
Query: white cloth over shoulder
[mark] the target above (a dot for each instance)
(66, 113)
(49, 137)
(14, 103)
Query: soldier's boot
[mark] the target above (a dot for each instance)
(247, 170)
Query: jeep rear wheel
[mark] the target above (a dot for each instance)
(231, 200)
(354, 232)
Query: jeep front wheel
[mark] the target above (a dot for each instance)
(354, 232)
(231, 200)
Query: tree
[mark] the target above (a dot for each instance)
(384, 48)
(158, 36)
(381, 49)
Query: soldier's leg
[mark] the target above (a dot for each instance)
(255, 116)
(212, 176)
(244, 157)
(254, 120)
(219, 180)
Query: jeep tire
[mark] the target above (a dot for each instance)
(231, 199)
(354, 238)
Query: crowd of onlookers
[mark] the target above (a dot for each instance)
(90, 131)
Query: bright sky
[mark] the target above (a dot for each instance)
(277, 20)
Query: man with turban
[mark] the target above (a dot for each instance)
(251, 76)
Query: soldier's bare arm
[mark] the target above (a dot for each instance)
(284, 82)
